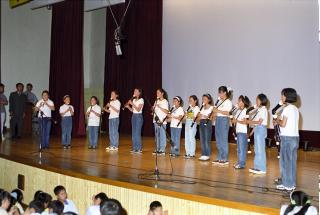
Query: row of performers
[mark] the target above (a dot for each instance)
(222, 113)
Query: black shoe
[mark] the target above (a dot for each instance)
(278, 181)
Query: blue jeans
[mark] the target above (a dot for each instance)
(93, 135)
(242, 146)
(160, 134)
(288, 160)
(190, 138)
(222, 132)
(260, 134)
(45, 127)
(175, 138)
(205, 137)
(137, 122)
(66, 129)
(114, 132)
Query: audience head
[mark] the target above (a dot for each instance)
(1, 87)
(19, 87)
(34, 207)
(5, 199)
(29, 87)
(99, 198)
(111, 207)
(44, 198)
(18, 195)
(56, 207)
(261, 100)
(61, 193)
(156, 208)
(289, 95)
(224, 92)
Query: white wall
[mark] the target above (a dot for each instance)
(251, 45)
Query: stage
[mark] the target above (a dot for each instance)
(191, 179)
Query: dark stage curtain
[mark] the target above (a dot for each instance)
(141, 63)
(66, 60)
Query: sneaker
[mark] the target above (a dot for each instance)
(155, 152)
(290, 189)
(115, 148)
(69, 146)
(249, 152)
(280, 187)
(138, 152)
(173, 155)
(186, 156)
(256, 171)
(237, 166)
(109, 148)
(216, 162)
(64, 147)
(224, 163)
(132, 151)
(204, 158)
(278, 181)
(160, 153)
(89, 147)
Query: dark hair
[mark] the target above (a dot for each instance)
(154, 205)
(45, 91)
(263, 99)
(19, 84)
(56, 206)
(115, 92)
(290, 94)
(209, 97)
(1, 85)
(101, 196)
(140, 91)
(111, 207)
(95, 98)
(4, 195)
(245, 100)
(298, 198)
(43, 197)
(179, 99)
(66, 96)
(195, 98)
(58, 189)
(37, 206)
(165, 94)
(19, 195)
(29, 85)
(225, 89)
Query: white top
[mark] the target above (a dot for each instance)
(116, 104)
(262, 114)
(163, 104)
(240, 116)
(64, 108)
(94, 120)
(137, 102)
(44, 108)
(174, 122)
(225, 106)
(311, 210)
(192, 112)
(3, 211)
(206, 112)
(93, 210)
(291, 129)
(69, 206)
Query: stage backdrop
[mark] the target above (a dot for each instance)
(140, 65)
(66, 60)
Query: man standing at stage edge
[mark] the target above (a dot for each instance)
(17, 104)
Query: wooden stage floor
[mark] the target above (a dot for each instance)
(200, 180)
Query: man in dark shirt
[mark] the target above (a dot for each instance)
(17, 106)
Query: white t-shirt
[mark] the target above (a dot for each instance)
(163, 104)
(64, 108)
(116, 104)
(240, 116)
(262, 114)
(192, 112)
(69, 206)
(291, 129)
(94, 120)
(93, 210)
(225, 106)
(137, 102)
(311, 210)
(176, 113)
(206, 112)
(44, 108)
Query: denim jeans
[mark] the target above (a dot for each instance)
(45, 127)
(190, 137)
(3, 119)
(288, 160)
(175, 138)
(242, 146)
(66, 129)
(160, 134)
(222, 132)
(93, 135)
(260, 134)
(114, 132)
(137, 122)
(205, 137)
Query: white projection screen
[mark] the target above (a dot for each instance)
(252, 46)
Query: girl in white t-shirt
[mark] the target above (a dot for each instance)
(222, 125)
(135, 106)
(241, 130)
(205, 127)
(260, 121)
(93, 114)
(175, 125)
(289, 134)
(160, 111)
(44, 107)
(113, 108)
(66, 112)
(190, 131)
